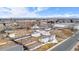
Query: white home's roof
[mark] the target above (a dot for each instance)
(43, 32)
(36, 34)
(45, 39)
(60, 25)
(46, 33)
(48, 29)
(35, 26)
(49, 38)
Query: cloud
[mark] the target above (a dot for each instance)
(25, 12)
(17, 12)
(22, 12)
(38, 9)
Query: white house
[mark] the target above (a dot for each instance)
(35, 34)
(43, 32)
(44, 40)
(53, 38)
(35, 27)
(49, 38)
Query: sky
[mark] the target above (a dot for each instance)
(37, 12)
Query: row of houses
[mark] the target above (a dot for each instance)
(42, 19)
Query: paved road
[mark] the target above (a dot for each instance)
(68, 44)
